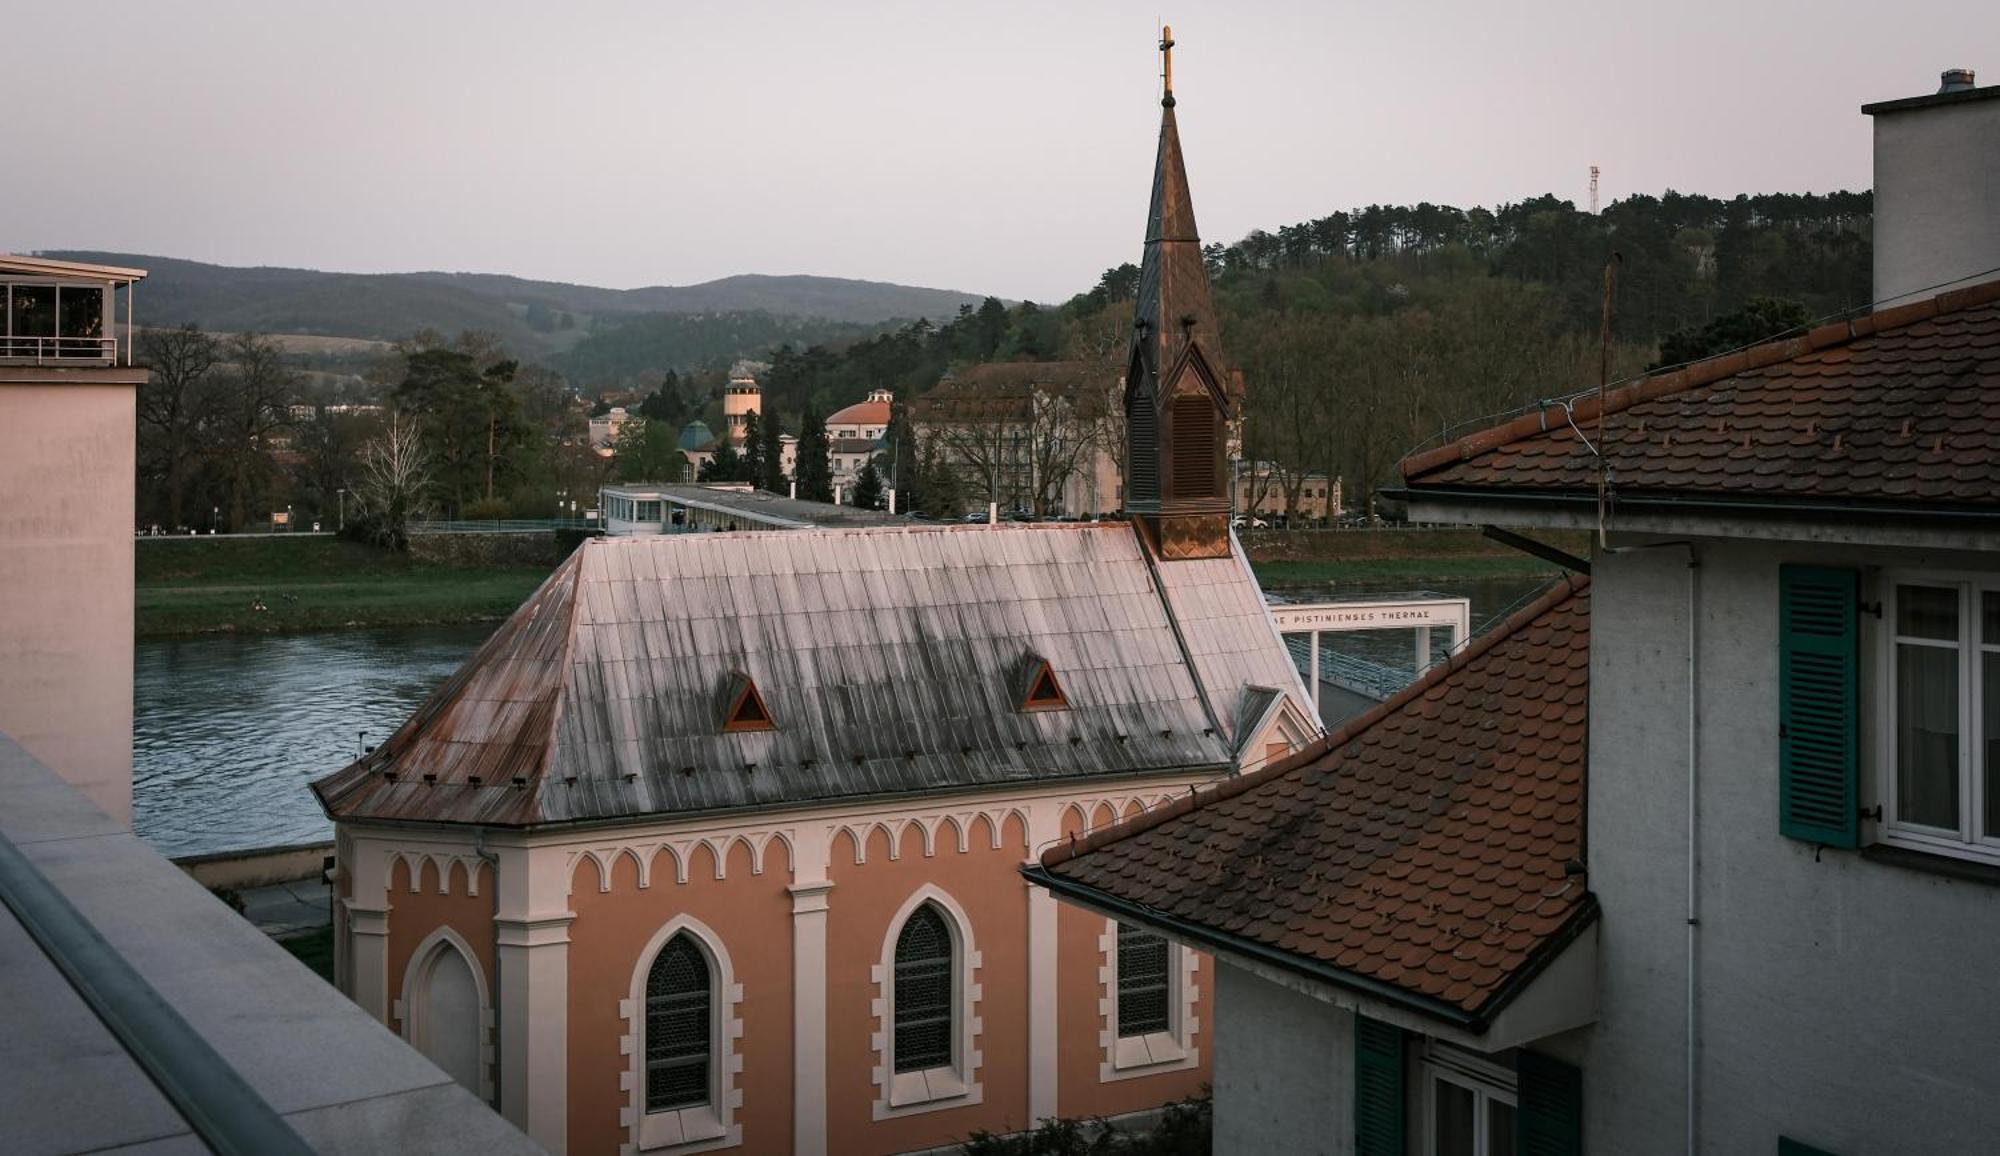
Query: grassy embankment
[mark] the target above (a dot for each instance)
(1394, 556)
(211, 584)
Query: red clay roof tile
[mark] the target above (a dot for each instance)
(1427, 844)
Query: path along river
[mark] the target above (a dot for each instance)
(229, 729)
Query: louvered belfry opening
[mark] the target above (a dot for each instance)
(677, 1027)
(923, 992)
(1142, 982)
(1142, 466)
(746, 710)
(1196, 452)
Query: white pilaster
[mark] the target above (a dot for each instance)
(809, 907)
(368, 928)
(1044, 828)
(532, 932)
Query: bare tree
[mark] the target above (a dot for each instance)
(251, 406)
(395, 483)
(175, 401)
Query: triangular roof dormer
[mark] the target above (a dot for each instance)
(746, 710)
(1039, 688)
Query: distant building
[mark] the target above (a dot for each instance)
(1041, 436)
(1261, 490)
(649, 508)
(855, 435)
(605, 430)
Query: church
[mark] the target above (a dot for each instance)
(714, 845)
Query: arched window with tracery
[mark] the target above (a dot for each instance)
(679, 1021)
(923, 993)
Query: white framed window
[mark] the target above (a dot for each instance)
(927, 1012)
(1147, 1003)
(1939, 701)
(682, 1027)
(1468, 1103)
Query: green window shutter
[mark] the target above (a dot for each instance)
(1819, 643)
(1548, 1114)
(1378, 1088)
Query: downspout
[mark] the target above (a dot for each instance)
(1693, 844)
(493, 858)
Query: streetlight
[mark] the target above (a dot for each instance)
(342, 494)
(214, 518)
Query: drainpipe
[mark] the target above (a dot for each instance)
(1693, 845)
(493, 859)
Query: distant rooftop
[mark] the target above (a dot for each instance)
(13, 265)
(759, 505)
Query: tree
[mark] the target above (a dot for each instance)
(395, 484)
(771, 454)
(328, 447)
(868, 488)
(814, 468)
(174, 404)
(1760, 319)
(250, 406)
(752, 466)
(470, 421)
(648, 451)
(725, 466)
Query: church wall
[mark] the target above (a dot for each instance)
(441, 898)
(749, 911)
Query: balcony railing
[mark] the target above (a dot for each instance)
(59, 350)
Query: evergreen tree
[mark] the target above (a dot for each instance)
(868, 488)
(772, 454)
(752, 463)
(725, 466)
(814, 470)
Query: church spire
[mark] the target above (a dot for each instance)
(1180, 396)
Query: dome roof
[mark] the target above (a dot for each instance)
(695, 435)
(871, 412)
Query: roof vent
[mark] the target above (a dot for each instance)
(1955, 80)
(1040, 690)
(746, 710)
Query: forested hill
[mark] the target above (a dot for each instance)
(535, 318)
(1369, 331)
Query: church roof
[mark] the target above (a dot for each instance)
(870, 413)
(888, 659)
(696, 435)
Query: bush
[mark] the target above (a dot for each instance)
(487, 510)
(1184, 1129)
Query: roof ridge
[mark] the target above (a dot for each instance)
(1568, 586)
(574, 564)
(1695, 374)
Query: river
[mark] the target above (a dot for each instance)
(229, 729)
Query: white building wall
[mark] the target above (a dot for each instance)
(1284, 1069)
(1937, 197)
(1842, 1001)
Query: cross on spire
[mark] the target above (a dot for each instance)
(1167, 63)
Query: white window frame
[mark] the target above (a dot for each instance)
(702, 1127)
(1129, 1057)
(1967, 842)
(955, 1085)
(1487, 1080)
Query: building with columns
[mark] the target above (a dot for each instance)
(715, 845)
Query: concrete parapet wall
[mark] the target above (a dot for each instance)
(256, 867)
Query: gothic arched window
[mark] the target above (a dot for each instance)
(923, 991)
(678, 1027)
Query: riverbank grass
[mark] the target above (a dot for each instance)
(211, 585)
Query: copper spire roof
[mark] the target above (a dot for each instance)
(1429, 849)
(1174, 310)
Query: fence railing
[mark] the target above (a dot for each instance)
(500, 525)
(44, 350)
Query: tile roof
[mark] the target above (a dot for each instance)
(1425, 847)
(1900, 407)
(887, 657)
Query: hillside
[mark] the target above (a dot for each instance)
(536, 318)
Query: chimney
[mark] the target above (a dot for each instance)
(1937, 189)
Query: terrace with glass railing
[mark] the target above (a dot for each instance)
(64, 313)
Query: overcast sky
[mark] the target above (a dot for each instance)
(1001, 148)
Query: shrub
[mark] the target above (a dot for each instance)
(1183, 1129)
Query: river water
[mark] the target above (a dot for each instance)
(229, 729)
